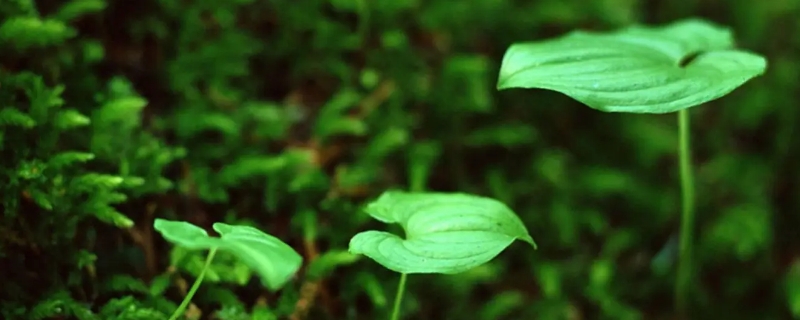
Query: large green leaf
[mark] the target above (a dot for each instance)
(274, 261)
(445, 232)
(638, 69)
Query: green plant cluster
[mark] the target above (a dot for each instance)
(73, 152)
(272, 123)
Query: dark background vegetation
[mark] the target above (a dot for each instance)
(289, 115)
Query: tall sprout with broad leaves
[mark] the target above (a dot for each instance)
(272, 259)
(445, 233)
(641, 69)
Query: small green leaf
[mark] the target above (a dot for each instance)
(247, 167)
(68, 158)
(41, 198)
(160, 284)
(271, 258)
(14, 117)
(328, 261)
(184, 234)
(372, 287)
(445, 232)
(743, 230)
(70, 118)
(77, 8)
(124, 109)
(332, 119)
(502, 304)
(507, 135)
(111, 216)
(422, 157)
(637, 69)
(26, 32)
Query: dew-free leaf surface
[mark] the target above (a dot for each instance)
(638, 69)
(185, 234)
(273, 260)
(445, 232)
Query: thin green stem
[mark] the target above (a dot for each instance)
(685, 267)
(398, 298)
(193, 289)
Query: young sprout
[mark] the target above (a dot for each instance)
(445, 233)
(272, 259)
(641, 69)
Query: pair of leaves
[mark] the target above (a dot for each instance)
(445, 232)
(638, 69)
(275, 261)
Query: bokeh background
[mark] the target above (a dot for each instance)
(291, 115)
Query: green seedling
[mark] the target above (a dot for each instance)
(272, 259)
(641, 69)
(445, 233)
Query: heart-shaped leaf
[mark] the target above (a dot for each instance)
(271, 258)
(445, 232)
(638, 69)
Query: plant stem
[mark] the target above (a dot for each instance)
(193, 289)
(398, 298)
(685, 267)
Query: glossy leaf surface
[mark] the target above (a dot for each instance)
(445, 233)
(638, 69)
(185, 234)
(274, 261)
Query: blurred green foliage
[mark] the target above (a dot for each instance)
(289, 115)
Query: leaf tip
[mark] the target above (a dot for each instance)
(529, 240)
(158, 223)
